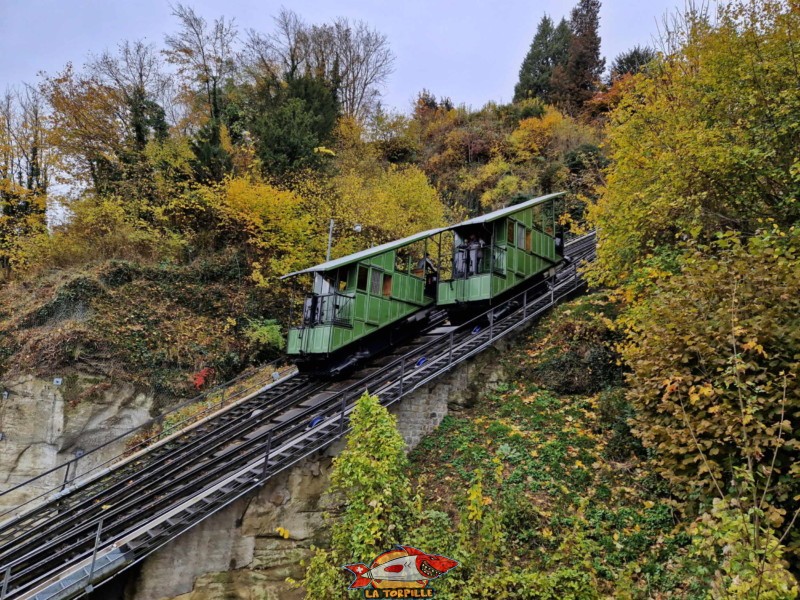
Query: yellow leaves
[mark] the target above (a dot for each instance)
(531, 399)
(535, 133)
(696, 392)
(284, 533)
(755, 347)
(273, 221)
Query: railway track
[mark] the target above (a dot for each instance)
(74, 541)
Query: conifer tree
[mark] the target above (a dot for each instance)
(631, 62)
(574, 82)
(548, 49)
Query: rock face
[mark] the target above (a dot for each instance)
(45, 425)
(237, 554)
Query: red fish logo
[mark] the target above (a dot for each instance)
(402, 567)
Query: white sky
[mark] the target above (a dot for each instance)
(469, 50)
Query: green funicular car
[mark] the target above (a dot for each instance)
(362, 303)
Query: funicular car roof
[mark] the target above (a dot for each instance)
(334, 264)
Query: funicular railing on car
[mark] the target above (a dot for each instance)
(329, 309)
(469, 262)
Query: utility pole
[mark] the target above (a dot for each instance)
(357, 228)
(330, 242)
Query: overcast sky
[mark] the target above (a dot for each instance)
(469, 50)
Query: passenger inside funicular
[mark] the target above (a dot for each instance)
(469, 259)
(428, 271)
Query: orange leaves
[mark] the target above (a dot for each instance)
(755, 347)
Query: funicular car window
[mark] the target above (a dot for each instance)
(363, 272)
(376, 282)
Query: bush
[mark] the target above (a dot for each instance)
(735, 555)
(714, 383)
(100, 229)
(614, 413)
(266, 334)
(576, 356)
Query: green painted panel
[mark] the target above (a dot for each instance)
(293, 342)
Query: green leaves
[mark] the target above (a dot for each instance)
(706, 140)
(371, 480)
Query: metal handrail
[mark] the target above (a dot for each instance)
(337, 407)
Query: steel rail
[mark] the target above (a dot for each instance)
(292, 438)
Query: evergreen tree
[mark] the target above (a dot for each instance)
(574, 82)
(548, 49)
(212, 161)
(632, 61)
(291, 117)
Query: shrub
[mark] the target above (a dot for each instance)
(266, 334)
(713, 356)
(577, 355)
(100, 229)
(614, 413)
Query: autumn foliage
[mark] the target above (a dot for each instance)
(699, 242)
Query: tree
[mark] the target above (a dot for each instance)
(291, 118)
(204, 55)
(85, 126)
(365, 61)
(352, 57)
(212, 160)
(548, 50)
(103, 118)
(25, 166)
(703, 143)
(370, 477)
(631, 62)
(136, 75)
(575, 81)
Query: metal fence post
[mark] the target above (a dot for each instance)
(6, 579)
(553, 290)
(94, 554)
(402, 374)
(66, 475)
(491, 324)
(266, 456)
(525, 305)
(450, 351)
(341, 422)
